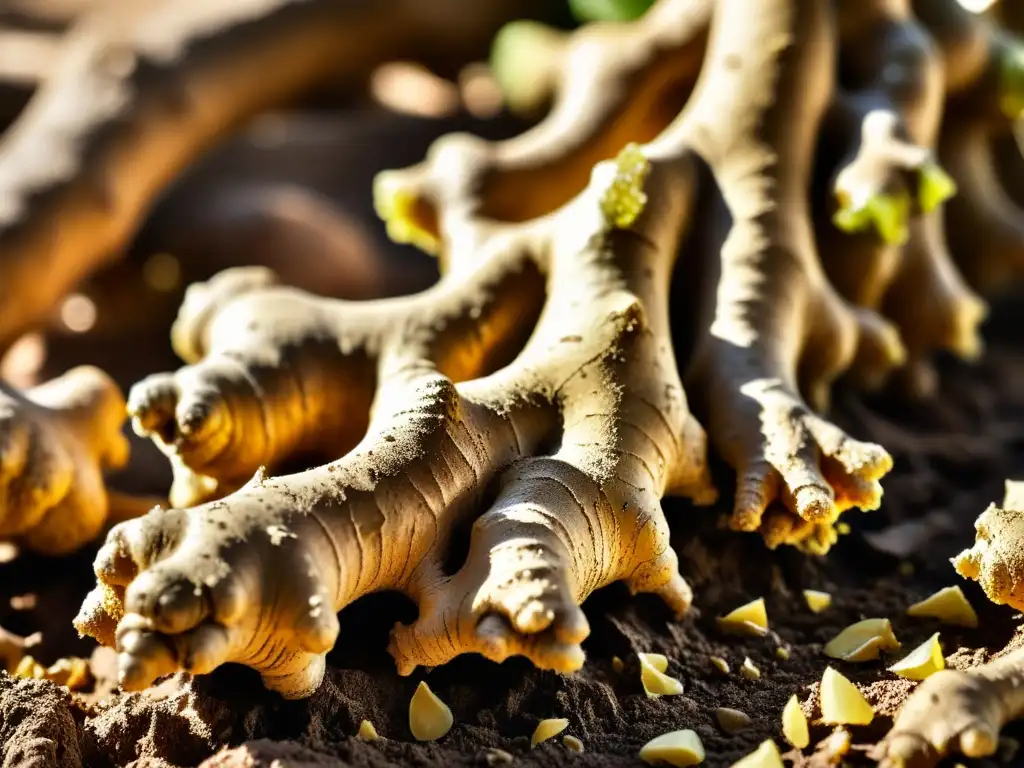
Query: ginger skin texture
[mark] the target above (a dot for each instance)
(56, 440)
(534, 395)
(559, 451)
(997, 558)
(955, 711)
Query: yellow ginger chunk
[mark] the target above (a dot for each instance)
(30, 669)
(863, 641)
(782, 653)
(731, 720)
(749, 670)
(923, 661)
(765, 756)
(547, 729)
(573, 744)
(367, 732)
(720, 664)
(678, 748)
(794, 724)
(429, 717)
(834, 748)
(749, 619)
(841, 702)
(652, 676)
(617, 665)
(817, 601)
(948, 605)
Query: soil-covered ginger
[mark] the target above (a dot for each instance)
(535, 394)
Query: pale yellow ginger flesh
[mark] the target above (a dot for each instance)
(429, 717)
(841, 702)
(653, 678)
(956, 711)
(676, 748)
(749, 670)
(765, 756)
(922, 662)
(548, 729)
(782, 653)
(817, 601)
(533, 394)
(720, 664)
(749, 619)
(732, 720)
(617, 664)
(949, 605)
(573, 744)
(367, 731)
(996, 560)
(865, 640)
(794, 724)
(14, 647)
(56, 441)
(73, 673)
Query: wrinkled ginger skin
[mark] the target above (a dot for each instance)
(142, 88)
(555, 449)
(974, 706)
(775, 326)
(997, 558)
(56, 440)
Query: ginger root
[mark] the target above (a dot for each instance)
(534, 393)
(954, 711)
(56, 440)
(997, 558)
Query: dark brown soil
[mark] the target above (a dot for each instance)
(952, 456)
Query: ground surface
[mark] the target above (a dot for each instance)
(952, 456)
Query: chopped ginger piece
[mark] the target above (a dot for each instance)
(817, 601)
(782, 653)
(765, 756)
(652, 676)
(617, 665)
(841, 702)
(834, 748)
(429, 717)
(925, 660)
(749, 670)
(720, 664)
(749, 619)
(29, 668)
(794, 724)
(948, 605)
(732, 720)
(863, 641)
(367, 732)
(547, 729)
(573, 744)
(678, 748)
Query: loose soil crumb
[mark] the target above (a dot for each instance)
(951, 458)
